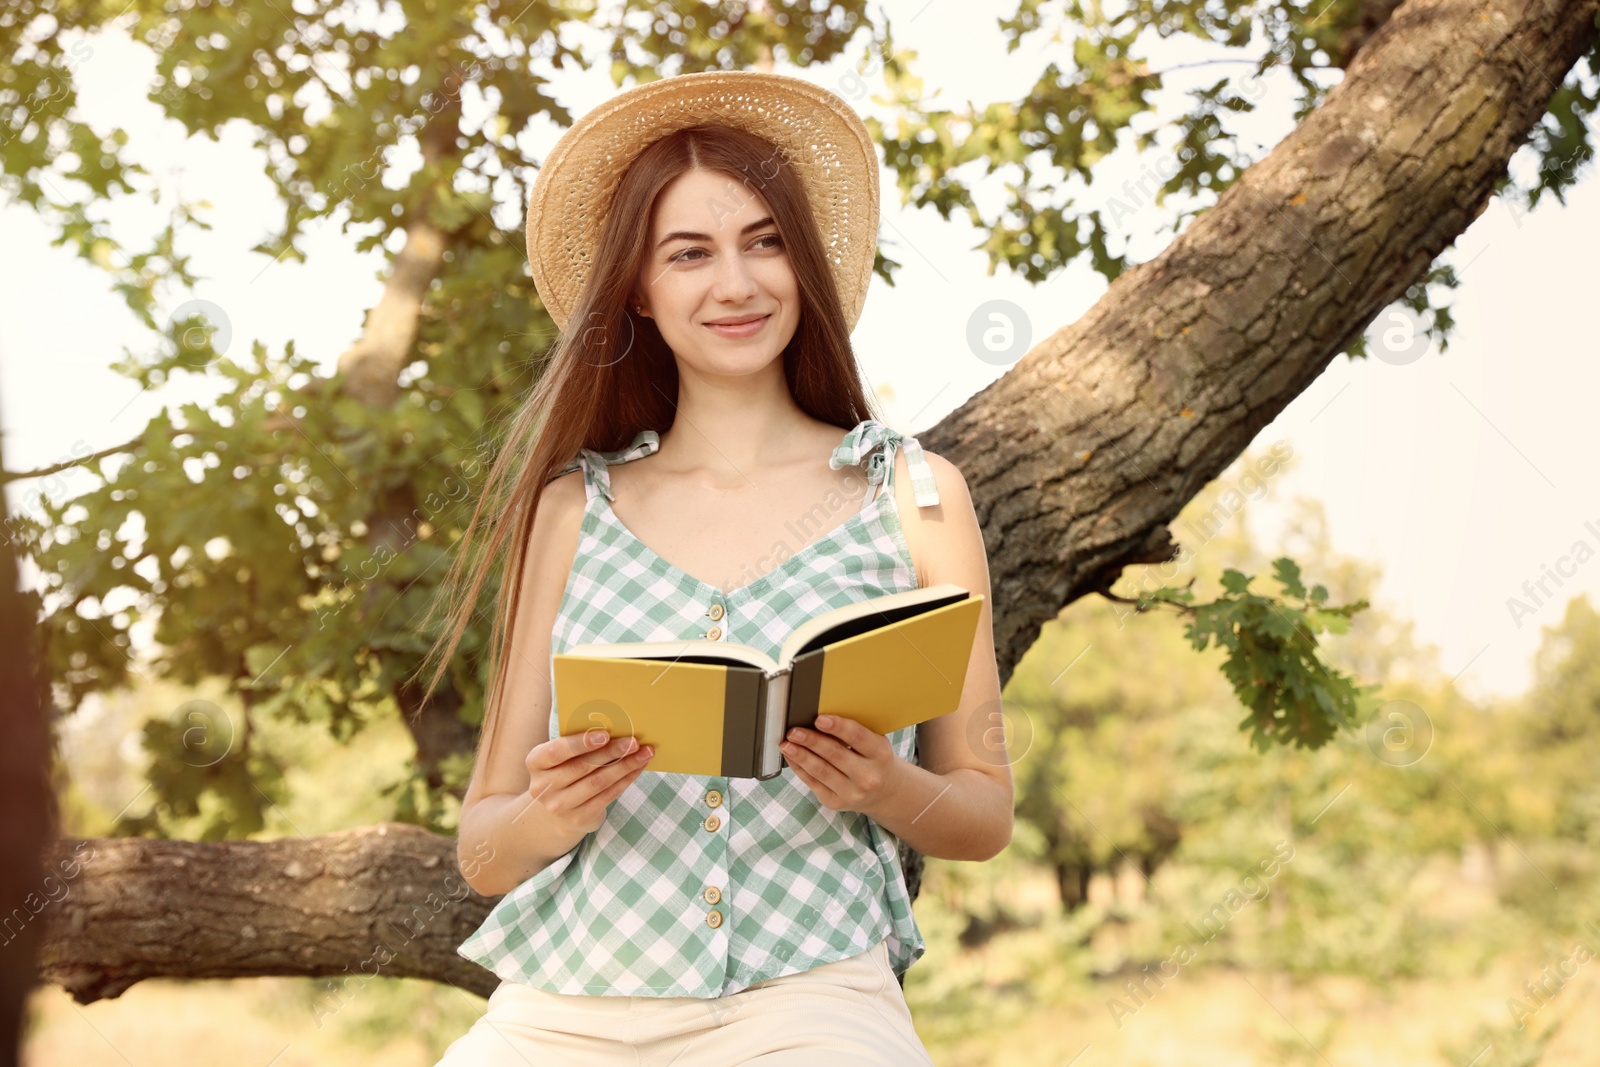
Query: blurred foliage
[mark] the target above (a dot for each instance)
(235, 537)
(1120, 768)
(1152, 848)
(256, 567)
(1102, 95)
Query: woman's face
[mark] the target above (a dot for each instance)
(715, 257)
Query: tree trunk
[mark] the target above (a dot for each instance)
(371, 369)
(1077, 460)
(383, 900)
(1072, 885)
(373, 364)
(27, 885)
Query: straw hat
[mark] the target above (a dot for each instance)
(821, 135)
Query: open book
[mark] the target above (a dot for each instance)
(721, 709)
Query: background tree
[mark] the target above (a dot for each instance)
(284, 538)
(27, 887)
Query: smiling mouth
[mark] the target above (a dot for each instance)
(749, 325)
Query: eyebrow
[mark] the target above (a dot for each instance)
(686, 235)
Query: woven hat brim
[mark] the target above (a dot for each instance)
(825, 140)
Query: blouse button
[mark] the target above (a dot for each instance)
(711, 823)
(713, 895)
(715, 612)
(713, 918)
(713, 633)
(713, 799)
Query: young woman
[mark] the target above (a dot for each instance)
(705, 242)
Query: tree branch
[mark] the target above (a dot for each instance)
(67, 464)
(383, 900)
(1080, 456)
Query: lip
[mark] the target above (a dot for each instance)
(742, 329)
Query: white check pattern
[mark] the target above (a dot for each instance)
(625, 913)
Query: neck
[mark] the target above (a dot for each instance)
(726, 425)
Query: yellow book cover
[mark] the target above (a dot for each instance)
(721, 709)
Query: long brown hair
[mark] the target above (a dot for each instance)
(612, 375)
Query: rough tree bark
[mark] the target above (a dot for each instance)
(1077, 459)
(383, 899)
(27, 882)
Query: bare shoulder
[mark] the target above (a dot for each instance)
(945, 541)
(552, 544)
(564, 496)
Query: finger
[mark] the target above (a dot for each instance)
(563, 748)
(581, 754)
(830, 748)
(597, 803)
(818, 767)
(825, 795)
(587, 800)
(850, 732)
(613, 750)
(602, 779)
(563, 776)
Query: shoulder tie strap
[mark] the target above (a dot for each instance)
(872, 436)
(596, 464)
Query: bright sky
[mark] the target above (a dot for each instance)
(1463, 475)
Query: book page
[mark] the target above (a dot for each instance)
(854, 619)
(772, 729)
(680, 651)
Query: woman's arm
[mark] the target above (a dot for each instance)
(507, 835)
(956, 803)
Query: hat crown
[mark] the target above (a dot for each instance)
(819, 134)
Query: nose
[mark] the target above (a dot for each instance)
(734, 282)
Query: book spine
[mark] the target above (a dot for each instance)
(805, 690)
(741, 703)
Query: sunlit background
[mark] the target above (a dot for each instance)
(1464, 474)
(1445, 490)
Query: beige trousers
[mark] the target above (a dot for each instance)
(849, 1013)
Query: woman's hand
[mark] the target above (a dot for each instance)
(848, 767)
(576, 777)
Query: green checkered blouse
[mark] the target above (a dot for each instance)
(700, 886)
